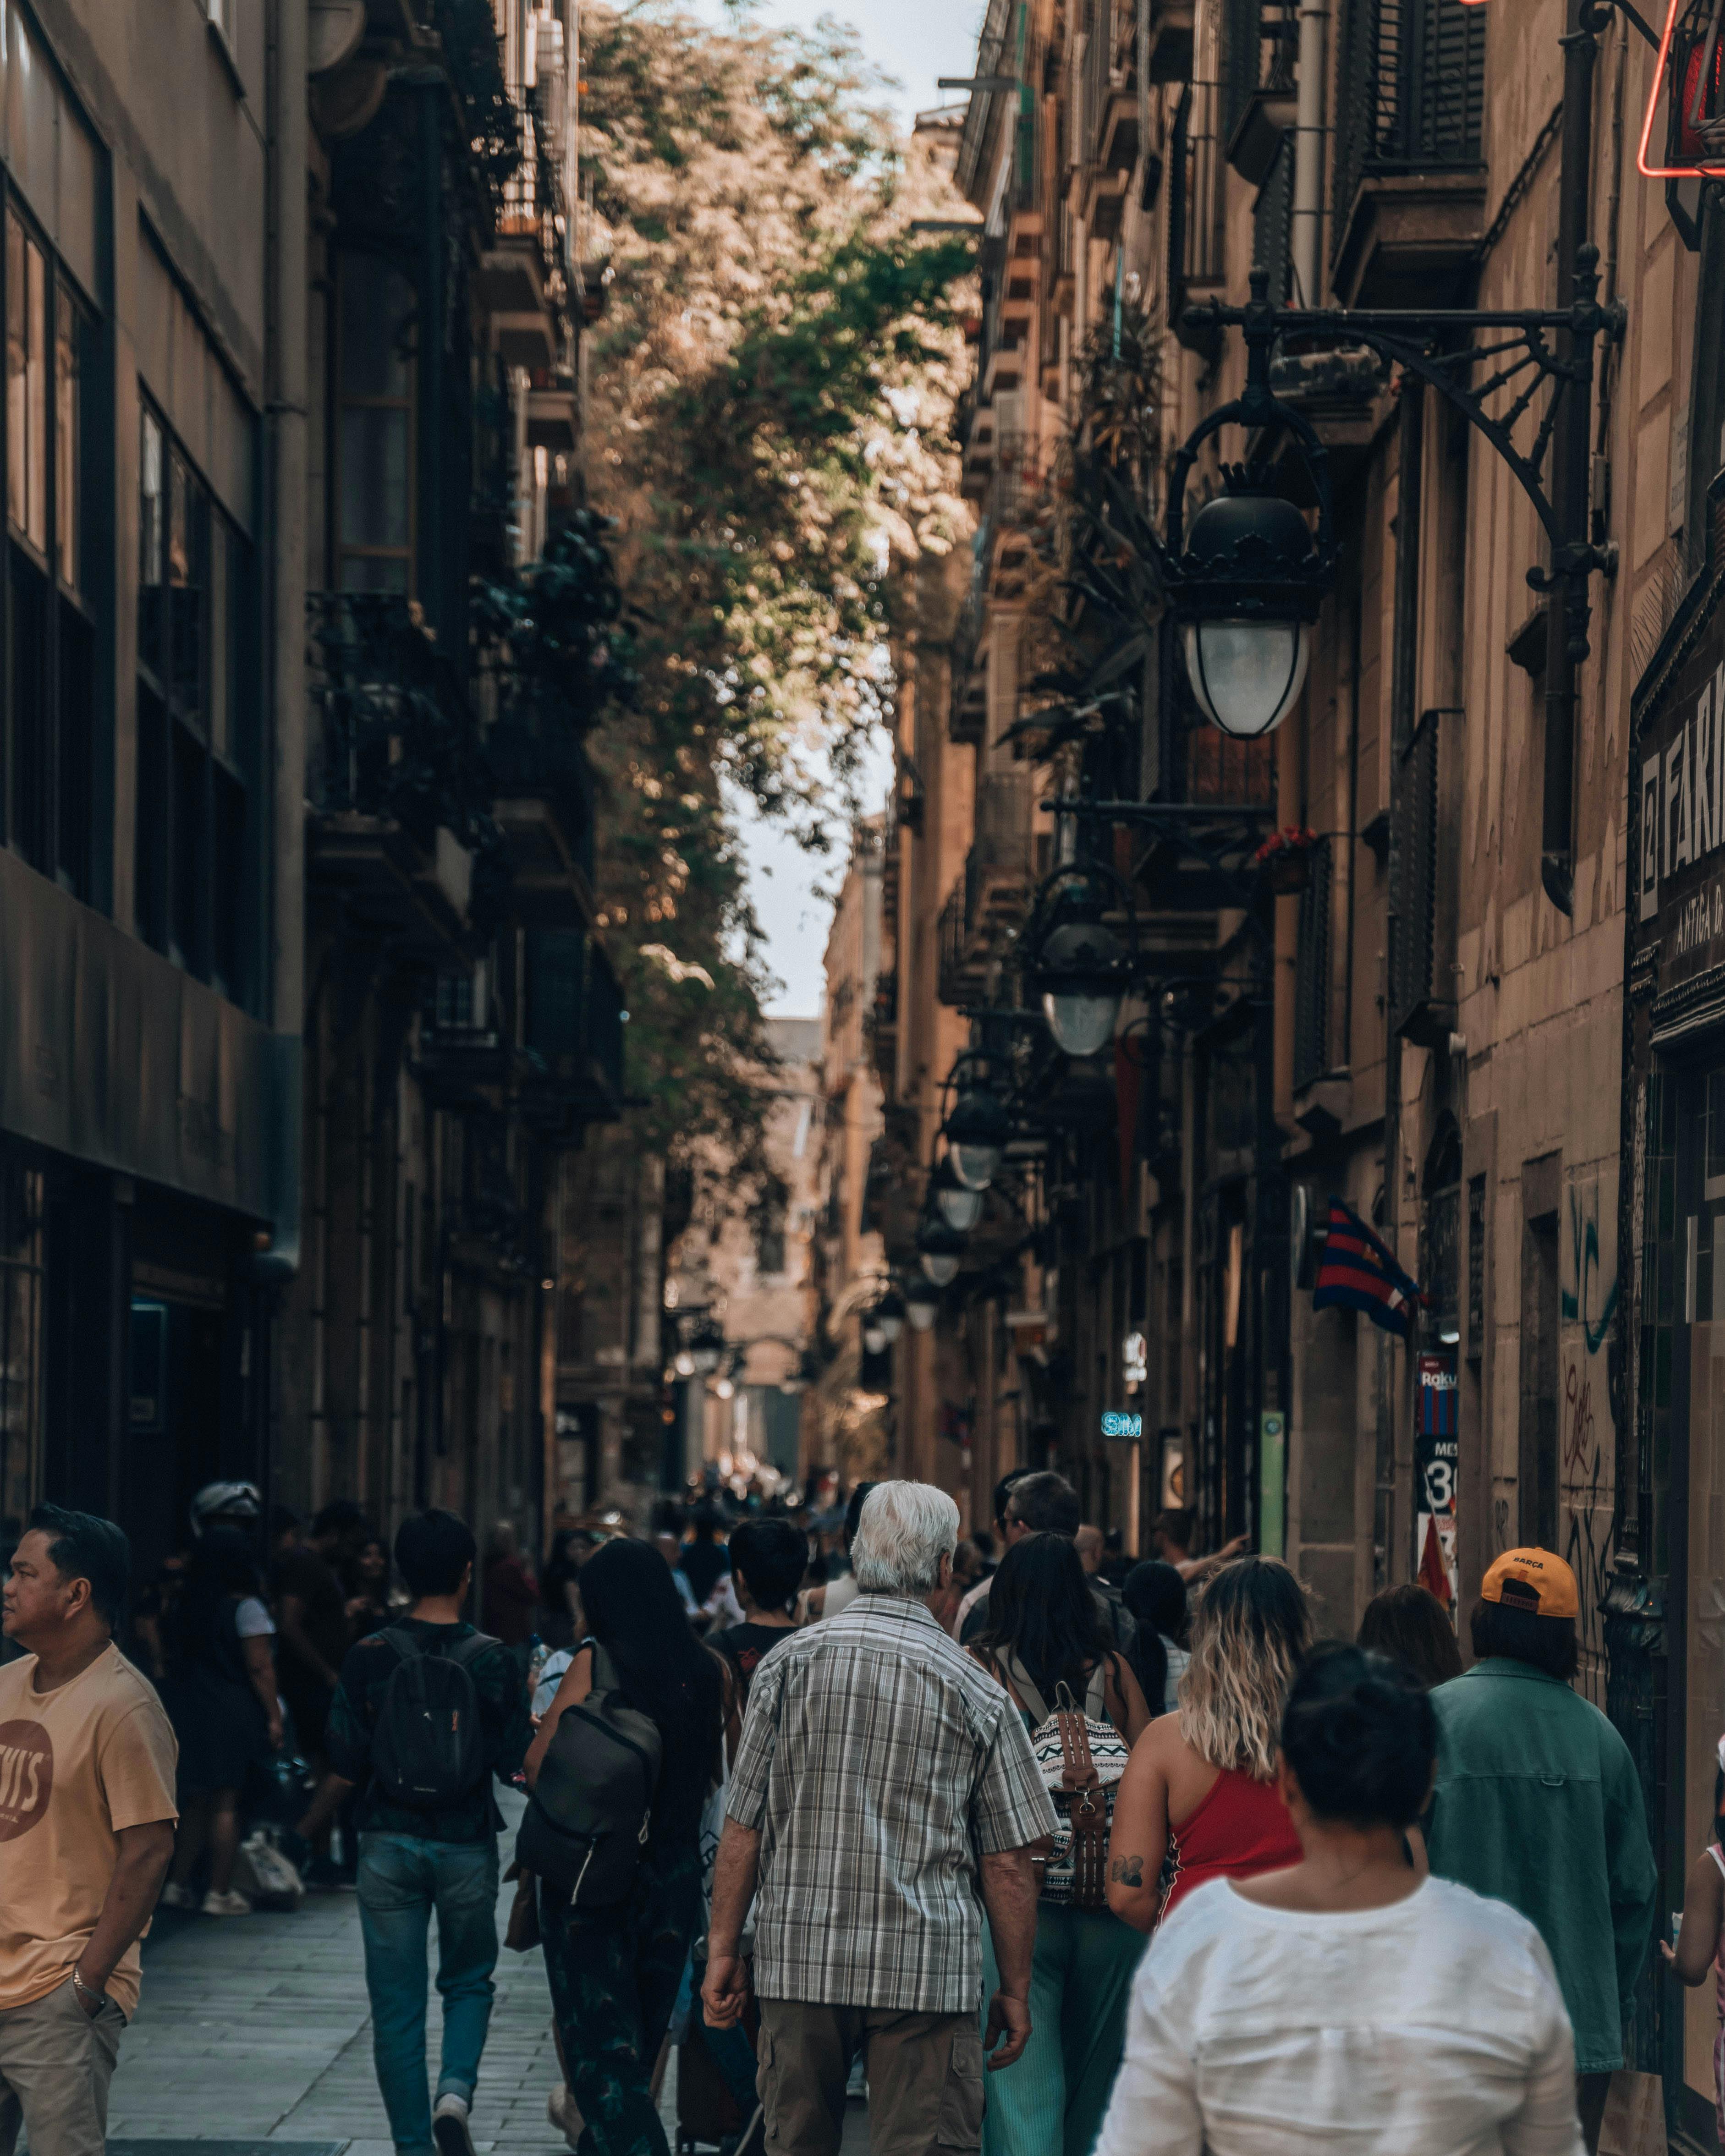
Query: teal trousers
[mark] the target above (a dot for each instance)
(1052, 2103)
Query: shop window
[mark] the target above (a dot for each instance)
(49, 673)
(196, 745)
(375, 383)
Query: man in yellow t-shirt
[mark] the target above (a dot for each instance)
(87, 1761)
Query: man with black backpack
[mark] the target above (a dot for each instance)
(428, 1710)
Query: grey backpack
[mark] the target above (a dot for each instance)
(592, 1808)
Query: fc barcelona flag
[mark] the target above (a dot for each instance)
(1359, 1273)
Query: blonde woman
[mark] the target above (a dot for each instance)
(1200, 1787)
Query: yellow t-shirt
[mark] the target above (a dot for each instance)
(76, 1765)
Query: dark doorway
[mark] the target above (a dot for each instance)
(174, 1436)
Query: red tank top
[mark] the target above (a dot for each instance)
(1240, 1828)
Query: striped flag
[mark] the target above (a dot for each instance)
(1359, 1273)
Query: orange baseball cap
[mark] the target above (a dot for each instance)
(1535, 1580)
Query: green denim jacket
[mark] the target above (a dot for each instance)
(1538, 1803)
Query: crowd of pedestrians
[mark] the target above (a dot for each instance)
(911, 1808)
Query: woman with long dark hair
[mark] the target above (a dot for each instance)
(614, 1972)
(1044, 1636)
(220, 1695)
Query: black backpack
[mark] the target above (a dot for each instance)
(428, 1748)
(592, 1809)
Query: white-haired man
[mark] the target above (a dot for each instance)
(884, 1788)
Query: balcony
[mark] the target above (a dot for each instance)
(1261, 41)
(464, 1062)
(1410, 179)
(397, 788)
(544, 807)
(573, 1031)
(1108, 117)
(523, 273)
(967, 716)
(960, 969)
(990, 899)
(881, 1027)
(999, 868)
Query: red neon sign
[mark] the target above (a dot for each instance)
(1691, 57)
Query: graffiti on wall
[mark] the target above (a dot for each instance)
(1586, 1440)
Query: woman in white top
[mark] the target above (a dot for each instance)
(1347, 2004)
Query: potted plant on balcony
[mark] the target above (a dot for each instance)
(1285, 858)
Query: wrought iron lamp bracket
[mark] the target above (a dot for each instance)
(1440, 348)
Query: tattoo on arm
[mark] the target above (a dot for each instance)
(1127, 1870)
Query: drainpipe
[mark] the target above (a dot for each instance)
(1305, 223)
(1566, 603)
(283, 528)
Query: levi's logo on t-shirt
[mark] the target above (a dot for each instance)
(26, 1777)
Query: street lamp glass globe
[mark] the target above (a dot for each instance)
(890, 1314)
(922, 1303)
(976, 1166)
(684, 1363)
(941, 1267)
(1081, 1019)
(1247, 676)
(874, 1338)
(706, 1358)
(960, 1207)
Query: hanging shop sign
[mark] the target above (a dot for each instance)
(1436, 1456)
(1680, 839)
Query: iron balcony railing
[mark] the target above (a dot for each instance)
(532, 204)
(998, 868)
(397, 737)
(1016, 483)
(1411, 93)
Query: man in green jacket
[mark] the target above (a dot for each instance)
(1538, 1803)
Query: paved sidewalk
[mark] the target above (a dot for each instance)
(258, 2029)
(253, 2034)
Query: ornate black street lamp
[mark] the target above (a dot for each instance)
(976, 1132)
(922, 1301)
(941, 1248)
(1080, 965)
(959, 1206)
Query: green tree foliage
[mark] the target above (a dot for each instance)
(770, 389)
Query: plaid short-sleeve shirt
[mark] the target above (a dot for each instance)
(878, 1763)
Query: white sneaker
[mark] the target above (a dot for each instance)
(225, 1905)
(564, 2113)
(177, 1898)
(449, 2129)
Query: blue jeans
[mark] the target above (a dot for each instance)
(402, 1880)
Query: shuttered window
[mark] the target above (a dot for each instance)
(1414, 939)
